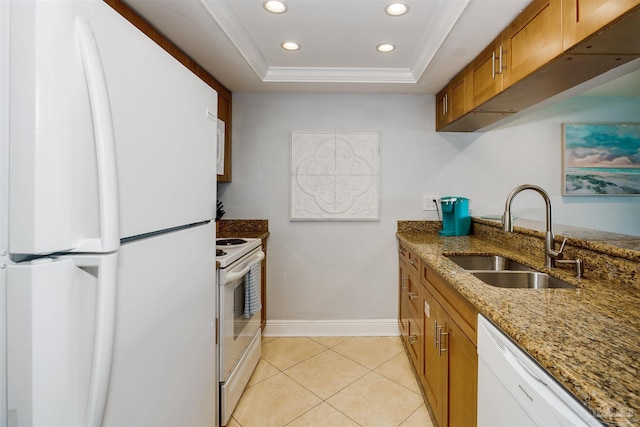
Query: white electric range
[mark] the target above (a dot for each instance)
(239, 277)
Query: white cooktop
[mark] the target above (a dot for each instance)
(234, 252)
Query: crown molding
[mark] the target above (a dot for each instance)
(439, 30)
(339, 75)
(235, 29)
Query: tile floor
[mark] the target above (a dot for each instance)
(332, 381)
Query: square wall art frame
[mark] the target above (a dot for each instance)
(601, 159)
(335, 176)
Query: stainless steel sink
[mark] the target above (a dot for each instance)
(488, 262)
(521, 279)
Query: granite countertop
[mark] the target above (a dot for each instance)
(243, 228)
(588, 338)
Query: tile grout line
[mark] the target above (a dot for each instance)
(325, 400)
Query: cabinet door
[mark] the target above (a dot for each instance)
(414, 341)
(485, 78)
(442, 109)
(433, 375)
(533, 39)
(463, 377)
(459, 95)
(582, 18)
(454, 100)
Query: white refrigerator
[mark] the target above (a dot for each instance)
(107, 242)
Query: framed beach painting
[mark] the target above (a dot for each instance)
(601, 159)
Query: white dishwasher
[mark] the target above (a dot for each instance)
(514, 391)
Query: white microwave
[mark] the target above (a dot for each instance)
(220, 148)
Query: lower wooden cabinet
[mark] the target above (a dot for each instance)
(462, 384)
(450, 371)
(410, 301)
(449, 375)
(435, 366)
(438, 328)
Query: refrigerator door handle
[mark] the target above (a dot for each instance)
(104, 138)
(105, 321)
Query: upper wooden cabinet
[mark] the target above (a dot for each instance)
(485, 78)
(443, 116)
(583, 18)
(454, 100)
(542, 53)
(533, 39)
(459, 90)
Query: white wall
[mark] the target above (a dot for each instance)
(348, 270)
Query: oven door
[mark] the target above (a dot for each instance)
(236, 331)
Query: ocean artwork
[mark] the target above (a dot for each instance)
(601, 159)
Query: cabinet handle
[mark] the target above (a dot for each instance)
(402, 251)
(404, 282)
(413, 339)
(436, 334)
(500, 67)
(440, 349)
(493, 65)
(413, 295)
(412, 262)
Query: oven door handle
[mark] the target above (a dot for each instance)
(235, 275)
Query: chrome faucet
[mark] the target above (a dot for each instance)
(550, 254)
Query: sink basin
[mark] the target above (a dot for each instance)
(487, 262)
(521, 279)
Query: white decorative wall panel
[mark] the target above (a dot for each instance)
(335, 176)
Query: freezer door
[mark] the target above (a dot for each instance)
(164, 364)
(67, 367)
(60, 321)
(107, 131)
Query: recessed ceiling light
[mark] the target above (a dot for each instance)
(275, 6)
(385, 47)
(290, 46)
(397, 9)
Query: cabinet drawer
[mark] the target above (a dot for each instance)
(414, 293)
(414, 341)
(410, 258)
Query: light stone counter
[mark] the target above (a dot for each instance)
(588, 339)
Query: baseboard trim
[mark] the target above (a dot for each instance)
(330, 328)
